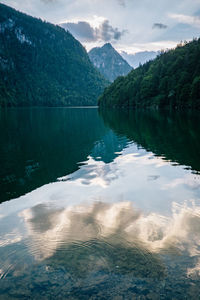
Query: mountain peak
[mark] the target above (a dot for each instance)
(146, 87)
(109, 62)
(108, 45)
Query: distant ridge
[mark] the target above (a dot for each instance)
(43, 65)
(109, 62)
(170, 80)
(138, 58)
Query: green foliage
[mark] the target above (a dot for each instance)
(42, 64)
(171, 134)
(172, 80)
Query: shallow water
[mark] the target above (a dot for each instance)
(99, 205)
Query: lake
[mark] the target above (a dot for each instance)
(99, 204)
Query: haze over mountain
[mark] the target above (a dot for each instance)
(42, 64)
(172, 80)
(138, 58)
(109, 62)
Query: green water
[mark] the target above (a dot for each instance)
(99, 205)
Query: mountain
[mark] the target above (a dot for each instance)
(43, 65)
(109, 62)
(138, 58)
(171, 80)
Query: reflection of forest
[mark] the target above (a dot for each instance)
(174, 135)
(40, 145)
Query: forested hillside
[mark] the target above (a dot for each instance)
(42, 64)
(172, 80)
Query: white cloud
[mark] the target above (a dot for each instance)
(94, 21)
(151, 46)
(185, 19)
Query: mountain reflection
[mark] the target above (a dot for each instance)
(39, 145)
(123, 222)
(173, 135)
(128, 226)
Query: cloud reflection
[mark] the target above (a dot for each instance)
(117, 224)
(88, 238)
(81, 222)
(192, 181)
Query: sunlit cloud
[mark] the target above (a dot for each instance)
(89, 32)
(151, 46)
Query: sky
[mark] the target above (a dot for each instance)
(130, 25)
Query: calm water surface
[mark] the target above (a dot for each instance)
(99, 205)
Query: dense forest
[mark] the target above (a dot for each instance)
(42, 64)
(171, 80)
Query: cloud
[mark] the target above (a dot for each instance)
(122, 2)
(48, 1)
(185, 19)
(159, 26)
(84, 31)
(107, 32)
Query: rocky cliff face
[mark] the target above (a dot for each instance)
(109, 62)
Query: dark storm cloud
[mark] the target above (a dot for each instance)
(159, 26)
(85, 32)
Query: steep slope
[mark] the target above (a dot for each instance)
(138, 58)
(172, 79)
(42, 64)
(109, 62)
